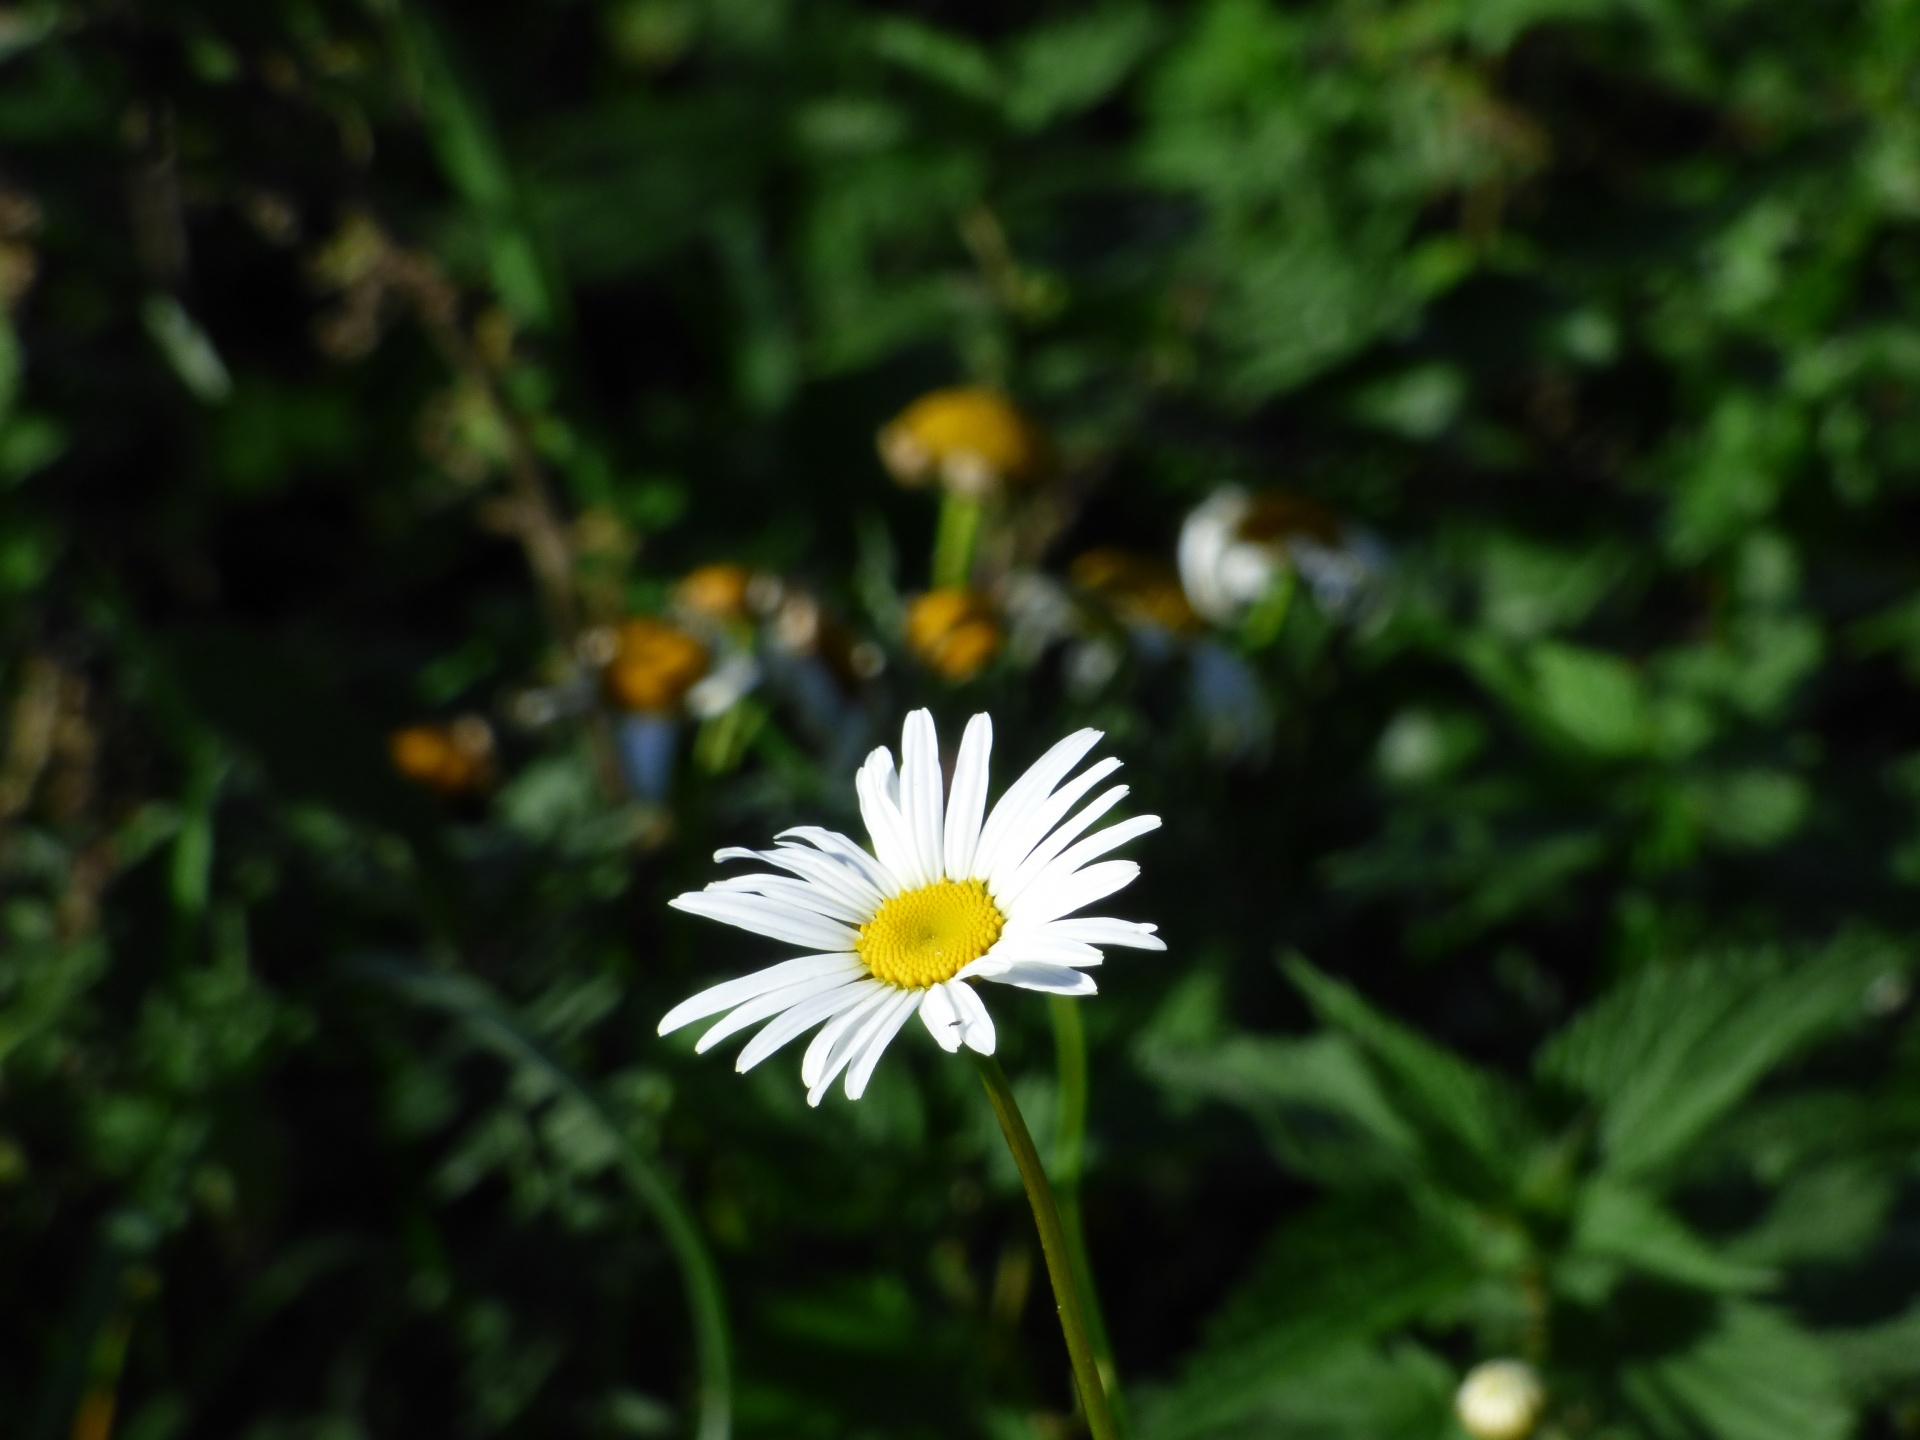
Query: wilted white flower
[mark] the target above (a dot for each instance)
(1222, 572)
(1234, 545)
(1500, 1400)
(950, 894)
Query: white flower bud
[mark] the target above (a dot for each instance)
(1500, 1400)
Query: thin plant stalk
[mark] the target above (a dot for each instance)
(491, 1022)
(1067, 1288)
(955, 540)
(1069, 1146)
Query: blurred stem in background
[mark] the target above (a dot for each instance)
(1069, 1146)
(494, 1025)
(1063, 1269)
(955, 541)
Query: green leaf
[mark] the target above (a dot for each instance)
(1457, 1109)
(588, 1129)
(1315, 1099)
(1757, 1376)
(1624, 1223)
(1529, 590)
(1674, 1049)
(1357, 1392)
(1875, 1361)
(1074, 63)
(464, 141)
(1733, 472)
(946, 59)
(1305, 1323)
(1830, 1214)
(1590, 698)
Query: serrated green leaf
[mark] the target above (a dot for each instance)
(1757, 1376)
(1459, 1110)
(1874, 1361)
(1326, 1288)
(1358, 1392)
(1624, 1223)
(1830, 1214)
(1674, 1049)
(1315, 1099)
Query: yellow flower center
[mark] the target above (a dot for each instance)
(922, 937)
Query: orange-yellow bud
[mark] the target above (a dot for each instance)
(953, 632)
(454, 758)
(1138, 588)
(718, 592)
(653, 665)
(973, 440)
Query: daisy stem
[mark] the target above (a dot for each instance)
(1069, 1137)
(1053, 1244)
(955, 540)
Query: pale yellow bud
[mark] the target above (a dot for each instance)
(1500, 1400)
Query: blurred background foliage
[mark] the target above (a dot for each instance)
(440, 504)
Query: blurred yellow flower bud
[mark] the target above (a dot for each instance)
(455, 758)
(715, 592)
(1500, 1400)
(653, 665)
(1139, 589)
(973, 440)
(953, 632)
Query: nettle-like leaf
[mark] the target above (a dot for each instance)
(1298, 1349)
(1675, 1048)
(1878, 1361)
(1315, 1099)
(1754, 1376)
(1625, 1225)
(1471, 1124)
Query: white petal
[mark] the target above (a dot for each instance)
(831, 871)
(1098, 930)
(1057, 840)
(875, 1036)
(943, 1022)
(838, 845)
(774, 1002)
(1091, 848)
(968, 802)
(1020, 839)
(823, 1049)
(802, 893)
(1050, 900)
(973, 1014)
(775, 977)
(884, 1019)
(1054, 979)
(922, 801)
(808, 1012)
(1026, 793)
(1041, 945)
(877, 787)
(773, 918)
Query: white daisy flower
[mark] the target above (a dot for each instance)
(946, 897)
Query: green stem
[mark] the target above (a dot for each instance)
(1069, 1144)
(499, 1028)
(1053, 1244)
(703, 1290)
(955, 540)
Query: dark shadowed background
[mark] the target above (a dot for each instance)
(451, 468)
